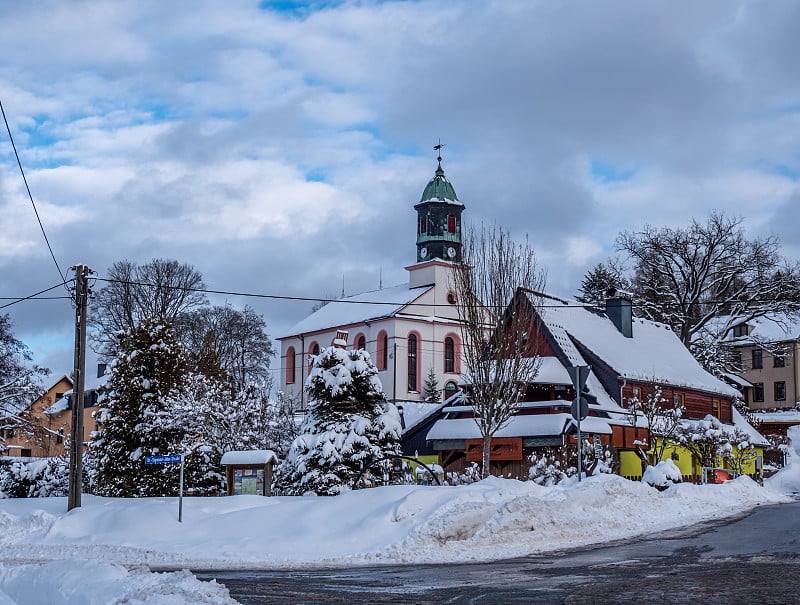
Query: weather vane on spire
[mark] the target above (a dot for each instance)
(438, 148)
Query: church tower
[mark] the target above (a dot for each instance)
(439, 220)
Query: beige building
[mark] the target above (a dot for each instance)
(767, 353)
(50, 421)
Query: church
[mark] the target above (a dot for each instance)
(409, 330)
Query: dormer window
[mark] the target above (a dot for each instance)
(740, 330)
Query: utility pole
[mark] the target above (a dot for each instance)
(79, 374)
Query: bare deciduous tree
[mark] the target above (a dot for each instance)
(496, 324)
(707, 272)
(161, 289)
(236, 340)
(662, 423)
(19, 382)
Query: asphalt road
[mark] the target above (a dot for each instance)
(753, 559)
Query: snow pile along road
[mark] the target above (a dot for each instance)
(87, 582)
(492, 519)
(104, 551)
(787, 481)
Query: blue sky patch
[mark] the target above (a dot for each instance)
(610, 173)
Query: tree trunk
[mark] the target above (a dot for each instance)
(487, 448)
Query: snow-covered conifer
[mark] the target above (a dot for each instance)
(430, 390)
(349, 424)
(146, 373)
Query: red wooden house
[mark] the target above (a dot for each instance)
(629, 357)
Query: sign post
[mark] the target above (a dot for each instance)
(171, 459)
(580, 407)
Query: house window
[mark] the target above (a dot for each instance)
(736, 357)
(677, 399)
(715, 406)
(780, 391)
(637, 393)
(383, 350)
(451, 223)
(423, 224)
(758, 359)
(449, 355)
(412, 362)
(290, 365)
(60, 437)
(758, 391)
(740, 330)
(361, 342)
(779, 359)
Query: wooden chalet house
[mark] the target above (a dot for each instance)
(629, 357)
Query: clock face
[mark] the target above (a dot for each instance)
(451, 252)
(423, 252)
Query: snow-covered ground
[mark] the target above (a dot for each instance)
(106, 549)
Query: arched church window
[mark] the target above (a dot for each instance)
(361, 342)
(412, 362)
(449, 355)
(383, 350)
(290, 365)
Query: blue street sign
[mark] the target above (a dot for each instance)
(162, 459)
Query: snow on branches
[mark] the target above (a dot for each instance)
(349, 424)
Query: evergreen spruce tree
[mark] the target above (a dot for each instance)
(148, 368)
(599, 280)
(349, 424)
(430, 390)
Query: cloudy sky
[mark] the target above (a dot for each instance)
(279, 146)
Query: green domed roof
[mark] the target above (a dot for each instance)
(439, 188)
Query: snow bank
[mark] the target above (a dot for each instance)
(103, 552)
(491, 519)
(787, 480)
(88, 583)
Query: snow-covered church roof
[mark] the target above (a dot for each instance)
(368, 306)
(653, 354)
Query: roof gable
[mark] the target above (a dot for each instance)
(653, 354)
(368, 306)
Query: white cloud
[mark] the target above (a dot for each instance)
(241, 139)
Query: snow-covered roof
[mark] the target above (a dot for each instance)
(415, 412)
(534, 425)
(249, 457)
(766, 329)
(357, 309)
(782, 416)
(61, 405)
(653, 354)
(740, 422)
(549, 370)
(736, 379)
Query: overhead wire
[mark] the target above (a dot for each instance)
(35, 295)
(308, 298)
(30, 196)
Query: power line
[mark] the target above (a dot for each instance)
(307, 298)
(30, 196)
(35, 296)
